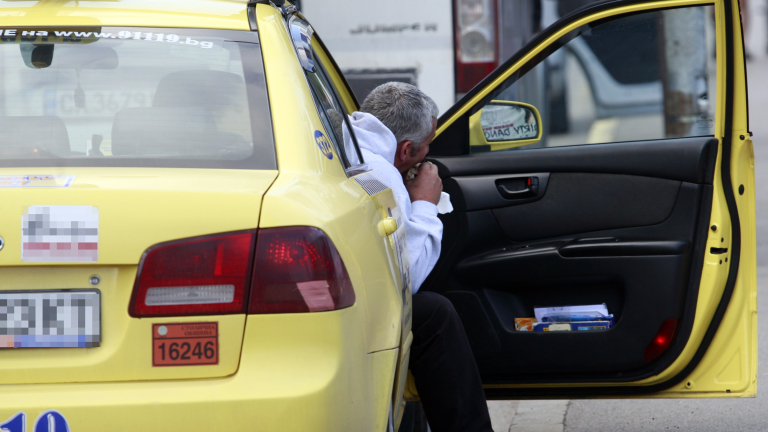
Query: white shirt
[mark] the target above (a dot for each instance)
(423, 229)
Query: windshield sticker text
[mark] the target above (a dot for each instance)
(73, 36)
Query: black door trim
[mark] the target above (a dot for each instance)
(658, 158)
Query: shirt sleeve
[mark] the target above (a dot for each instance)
(424, 232)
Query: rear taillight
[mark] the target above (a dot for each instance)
(298, 270)
(201, 276)
(476, 41)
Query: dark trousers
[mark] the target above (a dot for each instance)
(444, 368)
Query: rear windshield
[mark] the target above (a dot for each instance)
(135, 97)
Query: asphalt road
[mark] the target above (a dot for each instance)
(694, 415)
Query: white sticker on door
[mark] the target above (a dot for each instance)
(60, 234)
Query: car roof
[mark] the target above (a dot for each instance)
(214, 14)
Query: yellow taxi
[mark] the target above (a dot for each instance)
(186, 243)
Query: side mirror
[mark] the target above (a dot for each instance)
(504, 124)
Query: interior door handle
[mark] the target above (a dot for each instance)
(506, 193)
(529, 185)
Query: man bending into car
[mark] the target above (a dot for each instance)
(394, 128)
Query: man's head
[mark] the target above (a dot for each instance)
(409, 114)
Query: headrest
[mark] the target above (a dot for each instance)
(24, 134)
(171, 131)
(200, 88)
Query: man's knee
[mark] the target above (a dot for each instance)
(428, 306)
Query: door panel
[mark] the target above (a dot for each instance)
(641, 158)
(646, 227)
(625, 240)
(584, 202)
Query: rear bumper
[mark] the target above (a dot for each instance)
(293, 376)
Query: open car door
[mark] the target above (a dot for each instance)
(655, 217)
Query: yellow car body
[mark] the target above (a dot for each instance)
(275, 372)
(334, 370)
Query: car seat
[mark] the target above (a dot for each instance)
(29, 136)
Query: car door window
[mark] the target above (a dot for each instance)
(334, 117)
(645, 76)
(337, 79)
(329, 107)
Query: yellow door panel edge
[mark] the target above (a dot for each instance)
(735, 342)
(402, 375)
(313, 190)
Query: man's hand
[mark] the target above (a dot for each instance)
(426, 186)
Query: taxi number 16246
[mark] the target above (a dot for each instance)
(181, 351)
(185, 344)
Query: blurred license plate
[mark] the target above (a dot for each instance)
(50, 319)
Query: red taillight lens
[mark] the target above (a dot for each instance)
(200, 276)
(661, 341)
(468, 75)
(476, 41)
(298, 270)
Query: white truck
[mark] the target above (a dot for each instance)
(444, 47)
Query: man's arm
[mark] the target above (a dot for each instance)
(423, 228)
(426, 186)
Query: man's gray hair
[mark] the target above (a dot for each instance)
(404, 109)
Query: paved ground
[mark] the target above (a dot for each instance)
(679, 415)
(694, 415)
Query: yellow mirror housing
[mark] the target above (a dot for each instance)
(505, 124)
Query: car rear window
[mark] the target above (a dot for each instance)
(135, 97)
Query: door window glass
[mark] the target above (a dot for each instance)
(333, 115)
(644, 76)
(332, 71)
(329, 107)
